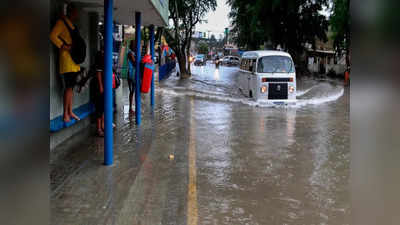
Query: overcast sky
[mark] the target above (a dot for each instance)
(217, 20)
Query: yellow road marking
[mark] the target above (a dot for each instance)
(192, 213)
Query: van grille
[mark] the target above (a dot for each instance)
(278, 91)
(275, 79)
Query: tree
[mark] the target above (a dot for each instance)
(185, 14)
(289, 24)
(212, 38)
(202, 48)
(340, 26)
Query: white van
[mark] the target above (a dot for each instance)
(268, 75)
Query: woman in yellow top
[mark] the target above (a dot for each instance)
(69, 70)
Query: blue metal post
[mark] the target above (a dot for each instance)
(108, 97)
(152, 58)
(138, 56)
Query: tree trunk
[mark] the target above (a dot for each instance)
(348, 63)
(182, 64)
(187, 57)
(348, 60)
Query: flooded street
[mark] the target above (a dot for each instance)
(269, 165)
(235, 161)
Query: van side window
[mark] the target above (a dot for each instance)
(251, 65)
(242, 64)
(250, 68)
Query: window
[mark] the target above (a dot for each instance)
(247, 65)
(242, 64)
(275, 64)
(252, 65)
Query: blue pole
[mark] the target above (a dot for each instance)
(138, 54)
(108, 98)
(152, 58)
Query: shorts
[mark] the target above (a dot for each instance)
(99, 104)
(131, 85)
(70, 79)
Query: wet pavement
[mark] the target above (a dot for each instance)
(235, 161)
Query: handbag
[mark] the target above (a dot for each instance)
(116, 81)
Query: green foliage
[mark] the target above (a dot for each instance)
(287, 23)
(212, 43)
(185, 14)
(202, 48)
(212, 38)
(340, 25)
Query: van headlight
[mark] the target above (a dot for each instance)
(291, 89)
(263, 89)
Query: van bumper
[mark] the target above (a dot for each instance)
(278, 101)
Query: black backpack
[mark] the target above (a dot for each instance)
(78, 47)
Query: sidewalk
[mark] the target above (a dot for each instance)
(133, 190)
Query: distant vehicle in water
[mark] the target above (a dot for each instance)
(230, 61)
(268, 75)
(199, 60)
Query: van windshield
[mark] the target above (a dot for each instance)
(275, 64)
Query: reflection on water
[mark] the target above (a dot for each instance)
(216, 74)
(269, 165)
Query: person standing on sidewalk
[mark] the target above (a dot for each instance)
(131, 73)
(99, 99)
(69, 70)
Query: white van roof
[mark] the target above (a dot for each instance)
(261, 53)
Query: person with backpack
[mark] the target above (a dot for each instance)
(72, 50)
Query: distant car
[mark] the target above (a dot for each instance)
(199, 60)
(230, 61)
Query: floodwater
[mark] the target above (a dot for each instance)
(235, 161)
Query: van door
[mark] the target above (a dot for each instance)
(247, 78)
(243, 82)
(252, 79)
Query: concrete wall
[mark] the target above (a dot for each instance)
(88, 29)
